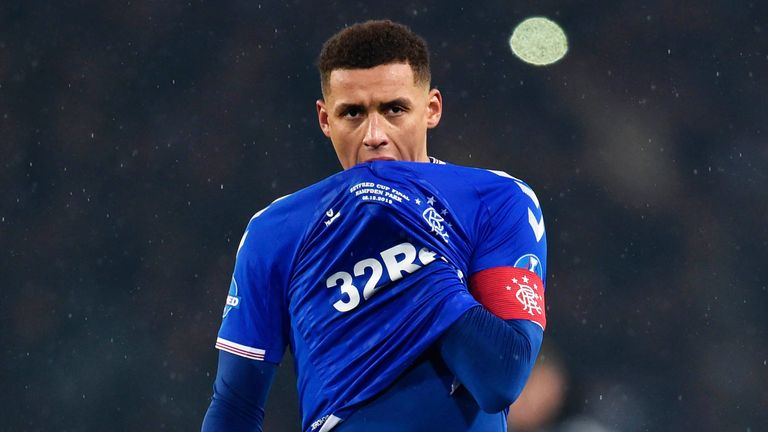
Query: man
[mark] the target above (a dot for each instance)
(410, 291)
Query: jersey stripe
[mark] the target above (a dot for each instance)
(241, 350)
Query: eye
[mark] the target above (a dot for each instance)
(353, 112)
(396, 110)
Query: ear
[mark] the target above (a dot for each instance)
(434, 108)
(322, 117)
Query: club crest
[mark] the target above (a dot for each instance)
(435, 221)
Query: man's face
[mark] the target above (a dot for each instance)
(378, 114)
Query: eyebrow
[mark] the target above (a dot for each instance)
(404, 102)
(343, 107)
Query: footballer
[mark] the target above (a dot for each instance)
(409, 291)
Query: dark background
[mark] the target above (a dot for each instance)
(138, 138)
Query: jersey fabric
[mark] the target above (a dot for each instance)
(362, 272)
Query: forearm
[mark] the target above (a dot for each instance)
(491, 357)
(239, 394)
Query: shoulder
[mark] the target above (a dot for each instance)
(485, 187)
(500, 182)
(277, 230)
(506, 200)
(489, 184)
(301, 205)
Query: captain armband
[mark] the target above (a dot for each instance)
(511, 293)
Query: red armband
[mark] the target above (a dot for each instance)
(510, 293)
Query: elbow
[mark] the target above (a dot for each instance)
(498, 398)
(509, 382)
(494, 405)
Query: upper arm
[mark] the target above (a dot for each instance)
(508, 268)
(255, 319)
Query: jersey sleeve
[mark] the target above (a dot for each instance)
(255, 319)
(508, 269)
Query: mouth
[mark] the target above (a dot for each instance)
(380, 158)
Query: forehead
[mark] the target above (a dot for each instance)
(377, 82)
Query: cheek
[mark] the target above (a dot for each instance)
(344, 144)
(411, 133)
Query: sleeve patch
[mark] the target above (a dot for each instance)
(511, 293)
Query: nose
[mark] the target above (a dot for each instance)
(374, 134)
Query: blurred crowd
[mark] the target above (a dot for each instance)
(139, 138)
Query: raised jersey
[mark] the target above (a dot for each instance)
(361, 272)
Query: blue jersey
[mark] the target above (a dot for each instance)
(363, 271)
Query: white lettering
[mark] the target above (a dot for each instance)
(360, 185)
(397, 259)
(376, 271)
(426, 256)
(346, 288)
(396, 267)
(233, 301)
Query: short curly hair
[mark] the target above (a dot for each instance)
(373, 43)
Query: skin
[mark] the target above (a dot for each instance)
(380, 113)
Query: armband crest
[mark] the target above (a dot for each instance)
(511, 293)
